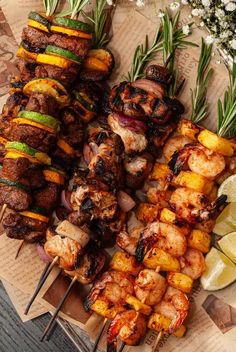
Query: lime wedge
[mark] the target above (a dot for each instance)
(220, 271)
(226, 221)
(228, 245)
(228, 187)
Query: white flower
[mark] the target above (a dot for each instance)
(219, 13)
(210, 39)
(202, 24)
(161, 14)
(233, 44)
(186, 29)
(198, 12)
(184, 2)
(225, 1)
(174, 5)
(206, 3)
(230, 6)
(195, 12)
(109, 2)
(140, 3)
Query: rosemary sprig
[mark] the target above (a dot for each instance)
(198, 95)
(144, 54)
(75, 6)
(227, 108)
(98, 19)
(167, 38)
(50, 6)
(173, 38)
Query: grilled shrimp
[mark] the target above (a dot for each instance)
(200, 160)
(174, 306)
(193, 263)
(150, 286)
(113, 286)
(174, 144)
(164, 236)
(130, 326)
(129, 241)
(194, 206)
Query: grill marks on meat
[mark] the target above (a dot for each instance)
(27, 69)
(93, 202)
(24, 228)
(35, 37)
(78, 46)
(43, 103)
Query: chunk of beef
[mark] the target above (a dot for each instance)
(14, 169)
(64, 76)
(47, 197)
(15, 198)
(78, 46)
(42, 103)
(15, 102)
(27, 69)
(35, 37)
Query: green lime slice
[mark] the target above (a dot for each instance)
(226, 221)
(228, 245)
(228, 187)
(220, 271)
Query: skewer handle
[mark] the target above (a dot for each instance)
(53, 318)
(159, 336)
(2, 212)
(99, 335)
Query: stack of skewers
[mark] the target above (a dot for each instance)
(159, 212)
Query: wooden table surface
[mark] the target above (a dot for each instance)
(16, 336)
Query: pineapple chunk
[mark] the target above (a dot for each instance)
(180, 281)
(138, 305)
(147, 212)
(162, 174)
(124, 262)
(157, 257)
(218, 144)
(169, 217)
(193, 181)
(200, 240)
(188, 128)
(180, 332)
(159, 322)
(102, 308)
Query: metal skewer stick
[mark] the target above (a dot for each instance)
(42, 280)
(99, 335)
(53, 318)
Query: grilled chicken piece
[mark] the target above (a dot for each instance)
(94, 203)
(89, 265)
(68, 250)
(137, 169)
(131, 131)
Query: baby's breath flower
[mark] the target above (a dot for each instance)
(210, 39)
(225, 1)
(219, 13)
(186, 29)
(174, 5)
(206, 3)
(110, 2)
(140, 3)
(231, 6)
(233, 44)
(184, 2)
(161, 14)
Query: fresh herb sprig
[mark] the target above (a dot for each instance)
(227, 108)
(204, 75)
(144, 53)
(75, 7)
(98, 19)
(167, 38)
(50, 6)
(173, 38)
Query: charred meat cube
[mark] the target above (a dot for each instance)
(26, 69)
(47, 197)
(78, 46)
(35, 37)
(42, 103)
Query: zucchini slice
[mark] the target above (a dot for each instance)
(35, 16)
(40, 118)
(16, 184)
(26, 149)
(67, 54)
(48, 86)
(74, 24)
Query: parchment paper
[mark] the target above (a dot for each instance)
(130, 28)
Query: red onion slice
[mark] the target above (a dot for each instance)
(125, 202)
(65, 200)
(131, 123)
(42, 254)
